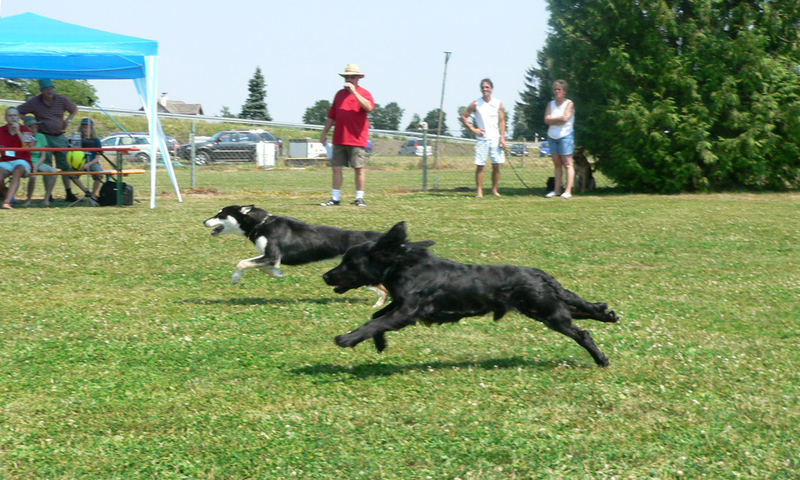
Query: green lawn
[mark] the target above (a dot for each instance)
(126, 353)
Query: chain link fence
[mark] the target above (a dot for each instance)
(202, 142)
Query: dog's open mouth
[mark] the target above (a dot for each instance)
(217, 230)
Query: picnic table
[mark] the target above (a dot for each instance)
(118, 170)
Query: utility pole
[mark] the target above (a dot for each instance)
(424, 127)
(439, 125)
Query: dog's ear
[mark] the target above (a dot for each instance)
(245, 210)
(421, 244)
(395, 237)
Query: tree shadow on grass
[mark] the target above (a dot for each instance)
(269, 301)
(372, 370)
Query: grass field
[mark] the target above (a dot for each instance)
(126, 353)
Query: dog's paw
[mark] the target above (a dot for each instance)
(611, 316)
(276, 272)
(380, 342)
(346, 340)
(237, 275)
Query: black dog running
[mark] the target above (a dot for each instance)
(435, 290)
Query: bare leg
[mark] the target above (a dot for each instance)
(31, 186)
(559, 173)
(98, 182)
(361, 178)
(479, 180)
(570, 173)
(337, 178)
(49, 185)
(77, 181)
(16, 175)
(495, 179)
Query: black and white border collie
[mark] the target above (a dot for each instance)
(286, 240)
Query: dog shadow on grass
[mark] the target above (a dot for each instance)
(372, 370)
(269, 301)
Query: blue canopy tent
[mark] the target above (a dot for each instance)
(32, 46)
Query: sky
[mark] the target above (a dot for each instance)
(209, 51)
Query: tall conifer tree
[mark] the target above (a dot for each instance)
(255, 107)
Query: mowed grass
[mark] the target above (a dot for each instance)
(126, 353)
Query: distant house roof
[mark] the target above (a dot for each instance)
(176, 106)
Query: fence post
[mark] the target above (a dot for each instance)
(191, 154)
(424, 127)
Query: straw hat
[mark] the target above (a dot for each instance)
(352, 69)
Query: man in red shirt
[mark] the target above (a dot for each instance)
(349, 112)
(14, 163)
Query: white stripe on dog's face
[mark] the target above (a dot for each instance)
(212, 222)
(226, 224)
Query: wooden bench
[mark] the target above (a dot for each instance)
(73, 173)
(118, 170)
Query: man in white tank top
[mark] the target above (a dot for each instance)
(491, 133)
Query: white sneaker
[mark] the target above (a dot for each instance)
(566, 195)
(550, 195)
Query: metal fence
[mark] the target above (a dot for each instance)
(210, 142)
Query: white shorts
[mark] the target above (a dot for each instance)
(486, 149)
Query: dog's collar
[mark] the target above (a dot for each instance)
(264, 220)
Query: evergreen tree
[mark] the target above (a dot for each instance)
(413, 125)
(255, 107)
(529, 110)
(317, 114)
(225, 112)
(433, 121)
(678, 96)
(386, 118)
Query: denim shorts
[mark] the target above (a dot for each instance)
(563, 145)
(486, 149)
(12, 164)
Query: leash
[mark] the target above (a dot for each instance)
(508, 155)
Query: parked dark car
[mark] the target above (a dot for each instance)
(228, 146)
(519, 150)
(544, 149)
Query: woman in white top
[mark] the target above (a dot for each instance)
(560, 116)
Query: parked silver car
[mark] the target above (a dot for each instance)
(139, 140)
(414, 147)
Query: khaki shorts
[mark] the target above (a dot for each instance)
(349, 156)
